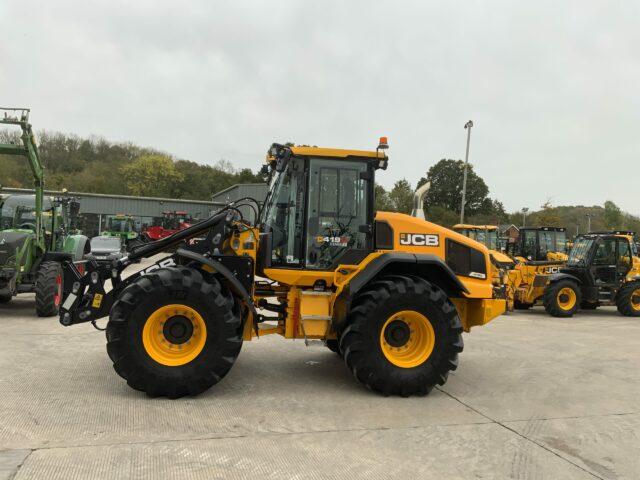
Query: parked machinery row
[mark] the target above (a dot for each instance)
(602, 268)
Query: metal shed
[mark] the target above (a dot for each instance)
(238, 191)
(95, 207)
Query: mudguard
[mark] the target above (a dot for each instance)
(556, 277)
(429, 267)
(234, 283)
(77, 246)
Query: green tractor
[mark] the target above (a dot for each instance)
(37, 233)
(123, 227)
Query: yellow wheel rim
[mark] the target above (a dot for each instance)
(635, 299)
(174, 335)
(567, 298)
(407, 339)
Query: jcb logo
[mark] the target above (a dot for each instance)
(167, 262)
(419, 239)
(552, 270)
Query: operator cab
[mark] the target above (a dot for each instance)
(485, 234)
(538, 244)
(18, 212)
(320, 206)
(602, 259)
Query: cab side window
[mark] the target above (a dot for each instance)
(337, 208)
(624, 255)
(606, 252)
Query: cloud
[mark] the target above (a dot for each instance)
(551, 87)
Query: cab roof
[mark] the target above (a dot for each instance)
(304, 150)
(545, 229)
(617, 233)
(474, 227)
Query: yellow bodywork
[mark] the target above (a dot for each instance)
(309, 314)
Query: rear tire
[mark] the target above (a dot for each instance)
(372, 342)
(174, 333)
(48, 289)
(5, 298)
(562, 299)
(628, 299)
(334, 346)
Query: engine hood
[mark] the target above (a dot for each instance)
(10, 241)
(104, 251)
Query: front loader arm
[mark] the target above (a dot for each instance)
(84, 293)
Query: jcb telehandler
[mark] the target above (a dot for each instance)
(539, 252)
(390, 293)
(603, 269)
(36, 232)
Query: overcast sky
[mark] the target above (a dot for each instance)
(553, 87)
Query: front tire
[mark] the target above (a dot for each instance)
(562, 299)
(628, 299)
(5, 298)
(174, 332)
(48, 289)
(518, 305)
(403, 336)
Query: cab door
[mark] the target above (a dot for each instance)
(339, 211)
(604, 266)
(624, 259)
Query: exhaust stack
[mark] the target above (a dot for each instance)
(418, 201)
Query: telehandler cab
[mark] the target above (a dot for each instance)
(390, 293)
(603, 269)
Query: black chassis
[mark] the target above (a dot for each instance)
(86, 300)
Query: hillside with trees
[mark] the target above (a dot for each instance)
(99, 166)
(443, 200)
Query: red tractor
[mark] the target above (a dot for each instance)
(172, 222)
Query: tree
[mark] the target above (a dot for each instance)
(446, 187)
(151, 175)
(401, 197)
(383, 202)
(441, 216)
(612, 216)
(547, 217)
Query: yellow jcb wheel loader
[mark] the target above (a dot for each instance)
(390, 293)
(539, 252)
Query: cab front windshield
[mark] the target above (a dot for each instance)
(580, 252)
(19, 212)
(119, 225)
(283, 213)
(484, 236)
(489, 238)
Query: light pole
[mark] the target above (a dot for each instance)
(467, 127)
(524, 216)
(588, 223)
